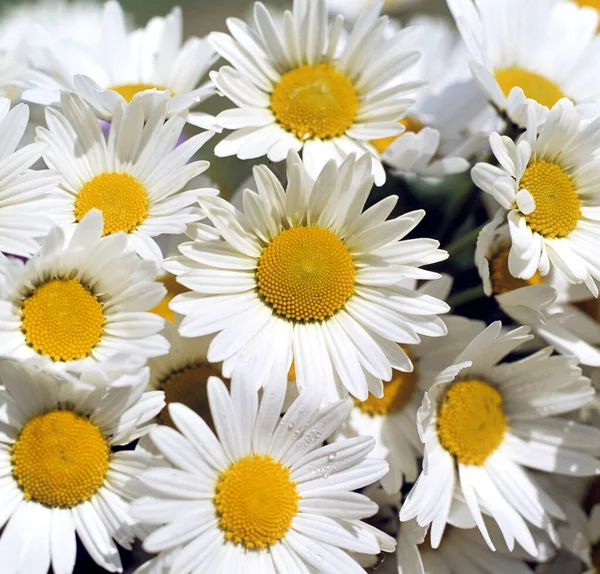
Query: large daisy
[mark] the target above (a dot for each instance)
(136, 176)
(294, 91)
(264, 496)
(80, 302)
(304, 274)
(547, 185)
(531, 51)
(122, 64)
(482, 422)
(61, 474)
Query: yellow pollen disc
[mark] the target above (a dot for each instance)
(62, 320)
(534, 86)
(305, 274)
(410, 125)
(256, 501)
(471, 421)
(120, 197)
(557, 205)
(188, 386)
(173, 289)
(130, 90)
(60, 459)
(502, 280)
(315, 102)
(591, 3)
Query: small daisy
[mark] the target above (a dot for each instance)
(547, 184)
(482, 422)
(294, 91)
(264, 496)
(303, 274)
(531, 51)
(122, 64)
(61, 475)
(80, 302)
(136, 176)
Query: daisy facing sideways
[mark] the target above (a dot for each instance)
(292, 90)
(547, 185)
(263, 495)
(532, 52)
(305, 274)
(483, 421)
(61, 475)
(80, 302)
(136, 176)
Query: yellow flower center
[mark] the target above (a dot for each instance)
(130, 90)
(188, 386)
(173, 289)
(536, 87)
(557, 205)
(60, 459)
(256, 501)
(62, 320)
(591, 3)
(471, 421)
(502, 280)
(305, 274)
(410, 125)
(315, 102)
(120, 197)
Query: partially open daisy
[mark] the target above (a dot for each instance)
(123, 64)
(547, 185)
(482, 422)
(264, 495)
(61, 475)
(531, 51)
(304, 274)
(80, 302)
(136, 176)
(292, 90)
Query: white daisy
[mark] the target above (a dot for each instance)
(136, 176)
(264, 496)
(293, 91)
(352, 9)
(122, 64)
(80, 302)
(531, 51)
(61, 474)
(304, 274)
(547, 185)
(482, 422)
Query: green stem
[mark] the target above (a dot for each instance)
(472, 294)
(465, 241)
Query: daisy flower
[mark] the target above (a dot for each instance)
(294, 91)
(547, 186)
(264, 496)
(304, 274)
(62, 476)
(123, 64)
(531, 51)
(25, 195)
(136, 176)
(482, 422)
(80, 301)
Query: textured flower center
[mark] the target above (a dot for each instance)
(60, 459)
(536, 87)
(471, 421)
(62, 320)
(130, 90)
(120, 197)
(173, 289)
(591, 3)
(502, 280)
(557, 205)
(188, 386)
(315, 102)
(410, 125)
(305, 273)
(256, 501)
